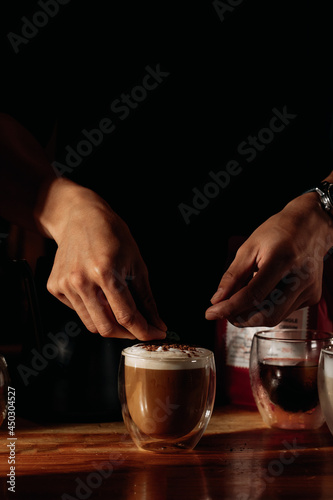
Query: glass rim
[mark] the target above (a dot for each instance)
(269, 335)
(328, 350)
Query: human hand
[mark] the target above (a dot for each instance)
(278, 269)
(98, 270)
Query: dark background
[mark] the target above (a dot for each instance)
(225, 77)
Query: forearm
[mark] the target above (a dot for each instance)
(24, 171)
(31, 195)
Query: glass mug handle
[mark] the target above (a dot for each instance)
(4, 382)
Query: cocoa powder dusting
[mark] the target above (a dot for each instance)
(166, 346)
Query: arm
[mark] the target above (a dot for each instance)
(279, 268)
(96, 252)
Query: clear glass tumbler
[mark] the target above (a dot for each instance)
(283, 373)
(167, 395)
(325, 384)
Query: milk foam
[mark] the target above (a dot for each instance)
(171, 359)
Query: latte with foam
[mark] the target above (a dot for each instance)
(166, 387)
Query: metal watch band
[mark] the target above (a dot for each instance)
(323, 190)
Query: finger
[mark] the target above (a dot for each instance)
(251, 295)
(272, 314)
(295, 291)
(236, 276)
(65, 293)
(98, 309)
(78, 306)
(127, 314)
(97, 319)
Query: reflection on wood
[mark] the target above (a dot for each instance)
(238, 458)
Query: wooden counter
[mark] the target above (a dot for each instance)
(238, 458)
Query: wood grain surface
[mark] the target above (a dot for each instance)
(238, 458)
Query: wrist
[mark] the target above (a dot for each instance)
(307, 211)
(59, 201)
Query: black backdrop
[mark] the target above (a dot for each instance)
(223, 67)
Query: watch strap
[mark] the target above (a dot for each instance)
(323, 191)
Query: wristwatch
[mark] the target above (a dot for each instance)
(325, 191)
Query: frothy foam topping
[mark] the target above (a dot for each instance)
(163, 356)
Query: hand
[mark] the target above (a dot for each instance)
(98, 270)
(278, 269)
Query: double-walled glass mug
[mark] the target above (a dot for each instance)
(283, 373)
(167, 394)
(4, 381)
(325, 384)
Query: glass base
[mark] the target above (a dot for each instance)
(167, 444)
(165, 447)
(276, 417)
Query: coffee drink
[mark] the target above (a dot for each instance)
(290, 384)
(166, 386)
(283, 373)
